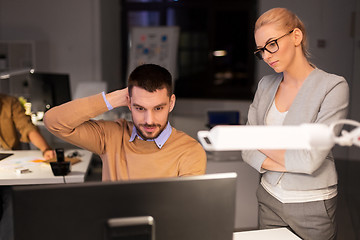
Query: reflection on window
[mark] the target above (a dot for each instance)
(142, 1)
(143, 18)
(215, 57)
(193, 41)
(171, 17)
(230, 70)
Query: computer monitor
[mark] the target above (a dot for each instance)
(43, 90)
(186, 208)
(223, 118)
(48, 90)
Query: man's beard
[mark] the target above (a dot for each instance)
(161, 129)
(142, 135)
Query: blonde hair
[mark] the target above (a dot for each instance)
(286, 19)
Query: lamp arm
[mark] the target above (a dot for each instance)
(348, 138)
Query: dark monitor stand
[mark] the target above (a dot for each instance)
(186, 208)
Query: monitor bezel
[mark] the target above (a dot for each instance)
(190, 208)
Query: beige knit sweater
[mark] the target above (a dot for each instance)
(181, 155)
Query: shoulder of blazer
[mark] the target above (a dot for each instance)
(319, 83)
(327, 79)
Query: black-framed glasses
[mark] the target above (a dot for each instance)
(271, 47)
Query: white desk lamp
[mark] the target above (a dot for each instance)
(305, 136)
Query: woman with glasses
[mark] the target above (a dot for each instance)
(298, 187)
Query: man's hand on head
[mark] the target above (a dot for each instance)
(118, 98)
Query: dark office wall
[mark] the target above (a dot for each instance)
(110, 43)
(66, 34)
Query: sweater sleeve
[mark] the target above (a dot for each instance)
(334, 106)
(193, 162)
(189, 154)
(71, 122)
(22, 122)
(254, 157)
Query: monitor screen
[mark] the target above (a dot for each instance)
(186, 208)
(43, 90)
(48, 90)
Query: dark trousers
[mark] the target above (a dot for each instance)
(309, 220)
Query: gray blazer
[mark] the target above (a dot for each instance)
(323, 98)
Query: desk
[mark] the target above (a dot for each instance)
(268, 234)
(41, 173)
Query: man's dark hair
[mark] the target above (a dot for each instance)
(150, 77)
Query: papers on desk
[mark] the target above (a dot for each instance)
(20, 165)
(39, 172)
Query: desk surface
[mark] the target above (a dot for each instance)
(41, 173)
(268, 234)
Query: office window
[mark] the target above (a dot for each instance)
(215, 52)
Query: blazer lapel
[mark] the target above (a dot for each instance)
(268, 96)
(299, 111)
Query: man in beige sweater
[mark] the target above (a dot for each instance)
(147, 147)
